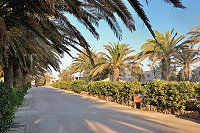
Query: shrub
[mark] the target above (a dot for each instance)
(171, 94)
(197, 96)
(77, 85)
(118, 90)
(19, 93)
(106, 88)
(9, 99)
(165, 94)
(66, 85)
(56, 84)
(130, 88)
(6, 106)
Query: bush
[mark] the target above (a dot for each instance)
(6, 106)
(130, 88)
(173, 95)
(56, 84)
(9, 99)
(118, 90)
(77, 85)
(19, 93)
(197, 95)
(164, 94)
(66, 85)
(106, 88)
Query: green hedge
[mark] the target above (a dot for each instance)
(10, 98)
(173, 95)
(164, 94)
(118, 90)
(76, 86)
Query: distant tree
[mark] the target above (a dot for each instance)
(82, 64)
(43, 79)
(65, 75)
(186, 59)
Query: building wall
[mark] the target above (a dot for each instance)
(77, 76)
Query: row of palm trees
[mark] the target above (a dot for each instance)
(116, 62)
(168, 50)
(34, 34)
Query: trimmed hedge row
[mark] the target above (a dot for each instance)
(10, 98)
(118, 90)
(173, 95)
(164, 94)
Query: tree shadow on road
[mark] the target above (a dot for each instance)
(81, 114)
(99, 117)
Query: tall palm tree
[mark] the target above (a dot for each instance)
(117, 58)
(162, 49)
(26, 54)
(185, 58)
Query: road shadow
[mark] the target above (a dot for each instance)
(83, 114)
(112, 117)
(185, 117)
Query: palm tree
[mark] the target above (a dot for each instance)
(26, 54)
(185, 58)
(116, 59)
(82, 63)
(162, 49)
(194, 35)
(45, 19)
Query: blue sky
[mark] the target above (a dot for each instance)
(163, 17)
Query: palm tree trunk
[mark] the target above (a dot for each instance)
(20, 79)
(165, 69)
(16, 73)
(186, 72)
(116, 74)
(24, 75)
(8, 72)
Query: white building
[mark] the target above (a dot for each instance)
(77, 76)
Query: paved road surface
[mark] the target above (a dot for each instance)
(50, 110)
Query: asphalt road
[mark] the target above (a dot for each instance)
(50, 110)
